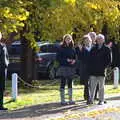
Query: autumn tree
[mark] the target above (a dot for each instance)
(32, 20)
(81, 17)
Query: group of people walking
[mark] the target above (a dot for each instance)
(93, 56)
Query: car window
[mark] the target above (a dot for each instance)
(43, 48)
(51, 48)
(48, 48)
(14, 50)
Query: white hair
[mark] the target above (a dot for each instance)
(92, 34)
(100, 36)
(0, 35)
(87, 36)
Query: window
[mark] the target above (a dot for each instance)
(52, 48)
(14, 50)
(43, 48)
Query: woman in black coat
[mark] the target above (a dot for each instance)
(66, 58)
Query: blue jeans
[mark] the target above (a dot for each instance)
(64, 81)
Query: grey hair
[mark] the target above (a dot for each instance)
(92, 33)
(101, 36)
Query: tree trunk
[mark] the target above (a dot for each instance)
(27, 61)
(105, 31)
(27, 58)
(34, 67)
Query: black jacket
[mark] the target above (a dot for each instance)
(4, 61)
(4, 58)
(115, 56)
(99, 60)
(64, 54)
(84, 62)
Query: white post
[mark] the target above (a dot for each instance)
(14, 86)
(116, 77)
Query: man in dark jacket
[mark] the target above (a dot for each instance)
(3, 68)
(93, 37)
(100, 58)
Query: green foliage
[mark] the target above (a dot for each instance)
(12, 16)
(50, 20)
(79, 18)
(107, 12)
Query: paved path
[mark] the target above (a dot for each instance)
(55, 110)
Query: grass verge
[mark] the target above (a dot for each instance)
(46, 93)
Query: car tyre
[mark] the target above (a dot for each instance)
(52, 72)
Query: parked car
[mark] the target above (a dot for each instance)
(45, 58)
(14, 51)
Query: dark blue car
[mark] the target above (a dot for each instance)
(44, 59)
(14, 51)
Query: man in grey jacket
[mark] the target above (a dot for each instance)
(4, 61)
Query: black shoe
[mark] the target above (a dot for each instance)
(105, 102)
(64, 103)
(101, 103)
(2, 108)
(89, 102)
(71, 102)
(97, 99)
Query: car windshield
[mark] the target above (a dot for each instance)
(49, 48)
(15, 48)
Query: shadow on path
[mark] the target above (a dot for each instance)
(113, 98)
(40, 110)
(47, 109)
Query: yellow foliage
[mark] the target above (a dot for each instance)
(6, 10)
(90, 114)
(92, 5)
(112, 14)
(53, 22)
(72, 2)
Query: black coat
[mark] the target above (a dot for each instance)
(4, 61)
(65, 53)
(115, 56)
(66, 69)
(84, 62)
(99, 60)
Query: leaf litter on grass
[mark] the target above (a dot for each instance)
(78, 115)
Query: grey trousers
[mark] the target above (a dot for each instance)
(94, 80)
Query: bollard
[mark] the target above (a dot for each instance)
(116, 77)
(14, 86)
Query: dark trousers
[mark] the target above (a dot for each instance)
(64, 81)
(1, 97)
(97, 90)
(2, 85)
(86, 90)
